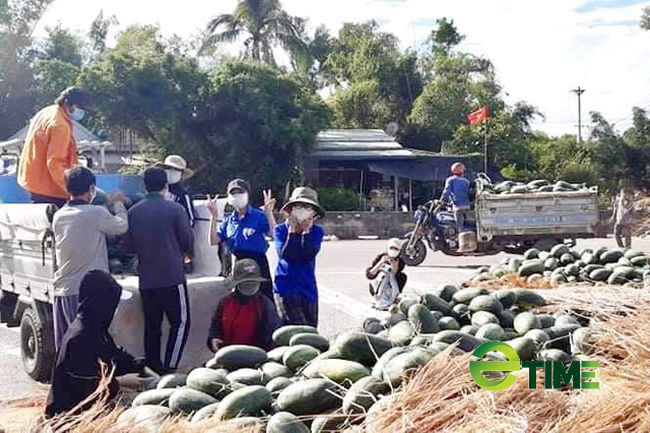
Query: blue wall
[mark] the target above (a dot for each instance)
(10, 192)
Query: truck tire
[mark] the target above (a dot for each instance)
(418, 255)
(36, 346)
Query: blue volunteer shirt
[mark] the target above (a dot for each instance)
(456, 189)
(247, 233)
(296, 271)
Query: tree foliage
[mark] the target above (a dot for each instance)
(263, 23)
(645, 18)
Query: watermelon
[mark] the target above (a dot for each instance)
(248, 401)
(309, 339)
(188, 400)
(361, 347)
(309, 397)
(337, 370)
(153, 397)
(282, 336)
(209, 381)
(240, 356)
(285, 422)
(297, 356)
(246, 376)
(485, 303)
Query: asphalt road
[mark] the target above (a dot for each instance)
(343, 291)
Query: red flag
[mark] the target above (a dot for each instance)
(479, 116)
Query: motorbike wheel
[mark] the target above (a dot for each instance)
(417, 256)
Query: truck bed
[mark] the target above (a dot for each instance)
(565, 214)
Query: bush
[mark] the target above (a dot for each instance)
(339, 199)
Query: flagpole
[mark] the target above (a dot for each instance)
(485, 148)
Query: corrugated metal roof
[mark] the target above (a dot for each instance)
(355, 144)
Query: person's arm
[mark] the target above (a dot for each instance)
(215, 237)
(287, 243)
(84, 372)
(57, 153)
(446, 193)
(269, 207)
(271, 321)
(215, 327)
(126, 243)
(373, 270)
(117, 224)
(401, 265)
(189, 205)
(311, 243)
(183, 231)
(124, 362)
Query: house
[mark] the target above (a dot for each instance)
(382, 170)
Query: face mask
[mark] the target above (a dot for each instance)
(77, 114)
(238, 201)
(393, 253)
(173, 176)
(248, 288)
(301, 213)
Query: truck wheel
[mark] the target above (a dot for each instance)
(417, 256)
(36, 346)
(546, 244)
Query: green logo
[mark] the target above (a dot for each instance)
(554, 372)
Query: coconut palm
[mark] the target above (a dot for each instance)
(265, 25)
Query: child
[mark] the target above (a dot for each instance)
(298, 241)
(387, 275)
(77, 372)
(245, 316)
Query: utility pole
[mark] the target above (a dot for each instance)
(579, 91)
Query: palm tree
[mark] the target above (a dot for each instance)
(265, 24)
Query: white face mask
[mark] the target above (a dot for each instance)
(393, 253)
(173, 176)
(301, 213)
(238, 201)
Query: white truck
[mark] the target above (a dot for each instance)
(27, 265)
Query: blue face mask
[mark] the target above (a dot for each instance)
(77, 114)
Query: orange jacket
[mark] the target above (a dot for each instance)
(49, 150)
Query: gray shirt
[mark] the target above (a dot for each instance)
(80, 231)
(159, 234)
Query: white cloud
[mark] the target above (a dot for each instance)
(541, 50)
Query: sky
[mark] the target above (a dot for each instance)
(541, 50)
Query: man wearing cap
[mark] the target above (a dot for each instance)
(159, 234)
(245, 316)
(298, 241)
(176, 168)
(80, 231)
(50, 149)
(245, 229)
(457, 191)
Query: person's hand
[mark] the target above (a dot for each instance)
(386, 259)
(130, 382)
(294, 225)
(215, 343)
(269, 201)
(212, 206)
(117, 197)
(306, 225)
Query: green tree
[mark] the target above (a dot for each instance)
(445, 37)
(364, 59)
(263, 23)
(99, 29)
(309, 64)
(18, 19)
(257, 123)
(62, 45)
(645, 18)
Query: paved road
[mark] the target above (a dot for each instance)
(343, 290)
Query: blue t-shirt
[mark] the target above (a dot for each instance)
(247, 233)
(457, 189)
(296, 271)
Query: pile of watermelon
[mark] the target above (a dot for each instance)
(534, 187)
(562, 264)
(306, 377)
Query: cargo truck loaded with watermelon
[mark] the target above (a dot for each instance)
(27, 266)
(509, 216)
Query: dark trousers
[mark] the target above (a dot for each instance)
(297, 310)
(172, 302)
(623, 235)
(265, 269)
(226, 259)
(37, 198)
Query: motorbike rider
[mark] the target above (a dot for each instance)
(457, 191)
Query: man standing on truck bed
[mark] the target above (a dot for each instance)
(457, 190)
(159, 234)
(50, 149)
(80, 231)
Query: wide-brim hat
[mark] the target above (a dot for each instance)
(178, 163)
(245, 271)
(307, 196)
